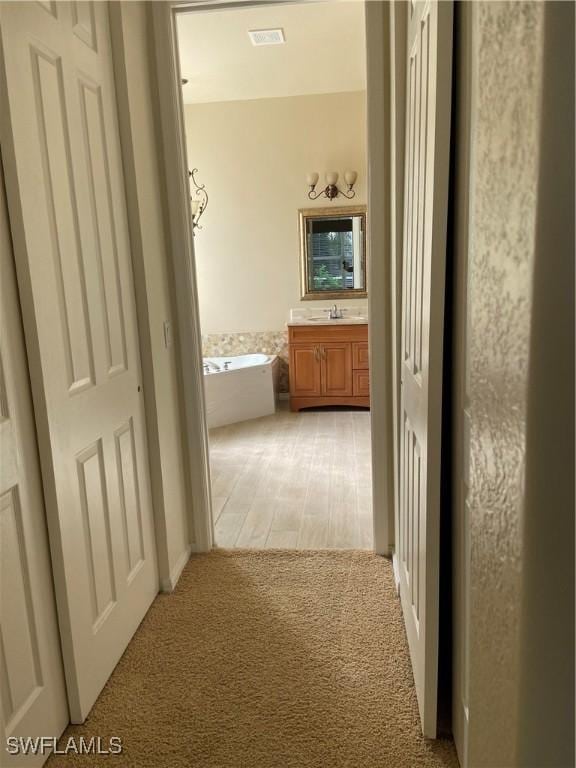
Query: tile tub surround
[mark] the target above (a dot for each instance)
(274, 342)
(251, 342)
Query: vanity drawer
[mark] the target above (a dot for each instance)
(339, 332)
(361, 383)
(360, 355)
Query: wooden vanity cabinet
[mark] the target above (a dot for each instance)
(328, 365)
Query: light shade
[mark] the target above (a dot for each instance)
(350, 177)
(312, 179)
(331, 177)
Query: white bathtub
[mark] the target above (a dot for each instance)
(240, 387)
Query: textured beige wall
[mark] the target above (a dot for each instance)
(149, 245)
(504, 177)
(253, 157)
(547, 627)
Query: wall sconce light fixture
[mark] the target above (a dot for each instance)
(198, 200)
(331, 189)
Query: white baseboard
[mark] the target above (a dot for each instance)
(396, 569)
(168, 585)
(460, 727)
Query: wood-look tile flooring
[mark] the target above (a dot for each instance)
(293, 480)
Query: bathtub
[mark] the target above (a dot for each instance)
(239, 387)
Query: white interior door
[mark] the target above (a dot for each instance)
(67, 206)
(32, 691)
(428, 96)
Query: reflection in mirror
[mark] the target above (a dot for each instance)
(333, 252)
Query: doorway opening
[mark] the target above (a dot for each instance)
(274, 117)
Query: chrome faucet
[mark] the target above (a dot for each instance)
(335, 313)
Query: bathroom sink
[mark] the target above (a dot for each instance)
(352, 315)
(325, 319)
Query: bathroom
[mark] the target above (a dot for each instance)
(276, 140)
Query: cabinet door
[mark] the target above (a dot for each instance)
(360, 357)
(336, 359)
(361, 383)
(305, 370)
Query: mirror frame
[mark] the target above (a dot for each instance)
(328, 212)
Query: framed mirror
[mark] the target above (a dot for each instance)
(333, 252)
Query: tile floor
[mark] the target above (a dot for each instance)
(293, 480)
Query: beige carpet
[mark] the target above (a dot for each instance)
(265, 659)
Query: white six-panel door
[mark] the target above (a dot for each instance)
(32, 691)
(67, 206)
(428, 97)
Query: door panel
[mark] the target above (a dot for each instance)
(305, 370)
(83, 23)
(32, 690)
(336, 360)
(424, 256)
(64, 175)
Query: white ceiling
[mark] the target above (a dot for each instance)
(324, 51)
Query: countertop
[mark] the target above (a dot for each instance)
(319, 316)
(327, 321)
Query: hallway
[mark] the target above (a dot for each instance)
(263, 659)
(391, 225)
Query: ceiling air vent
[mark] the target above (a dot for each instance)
(267, 36)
